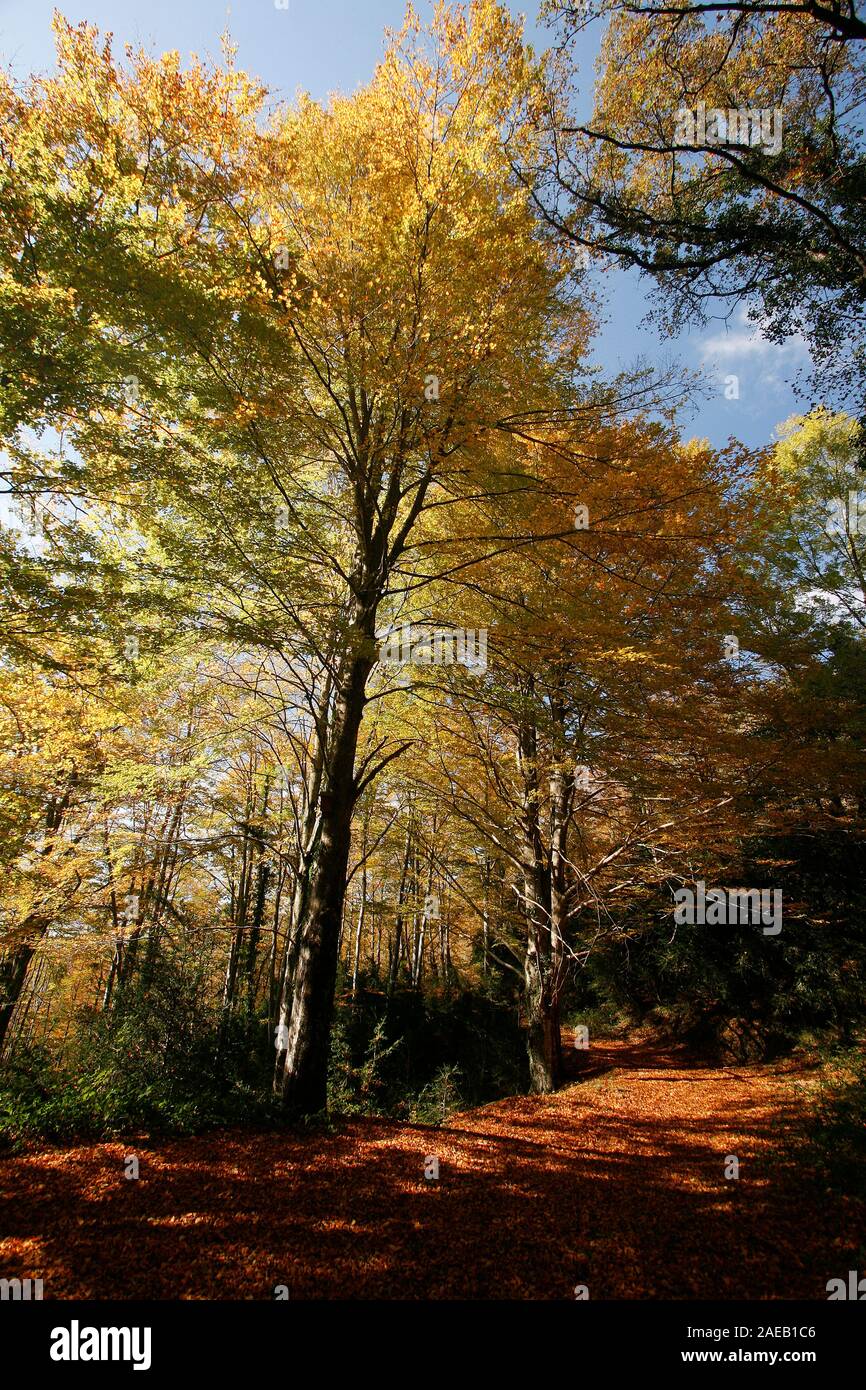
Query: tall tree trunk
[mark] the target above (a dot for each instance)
(485, 959)
(418, 956)
(263, 873)
(561, 798)
(240, 909)
(362, 907)
(274, 953)
(13, 972)
(402, 894)
(362, 912)
(162, 893)
(540, 994)
(307, 1002)
(542, 1034)
(15, 962)
(447, 968)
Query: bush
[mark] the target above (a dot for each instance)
(158, 1061)
(834, 1137)
(603, 1018)
(163, 1060)
(731, 992)
(423, 1055)
(37, 1099)
(440, 1098)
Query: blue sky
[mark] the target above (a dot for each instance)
(327, 45)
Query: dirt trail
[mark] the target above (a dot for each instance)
(616, 1182)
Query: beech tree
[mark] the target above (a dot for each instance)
(304, 338)
(723, 210)
(281, 380)
(574, 756)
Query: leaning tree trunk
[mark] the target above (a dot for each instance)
(15, 960)
(13, 972)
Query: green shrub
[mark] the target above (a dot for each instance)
(834, 1134)
(440, 1098)
(163, 1060)
(729, 991)
(159, 1061)
(413, 1054)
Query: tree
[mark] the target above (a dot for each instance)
(767, 215)
(300, 339)
(593, 754)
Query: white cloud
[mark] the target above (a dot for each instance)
(766, 363)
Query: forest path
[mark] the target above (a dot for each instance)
(615, 1182)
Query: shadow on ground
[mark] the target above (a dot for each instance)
(616, 1182)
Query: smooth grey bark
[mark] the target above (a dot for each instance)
(541, 974)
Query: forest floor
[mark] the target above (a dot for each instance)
(616, 1182)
